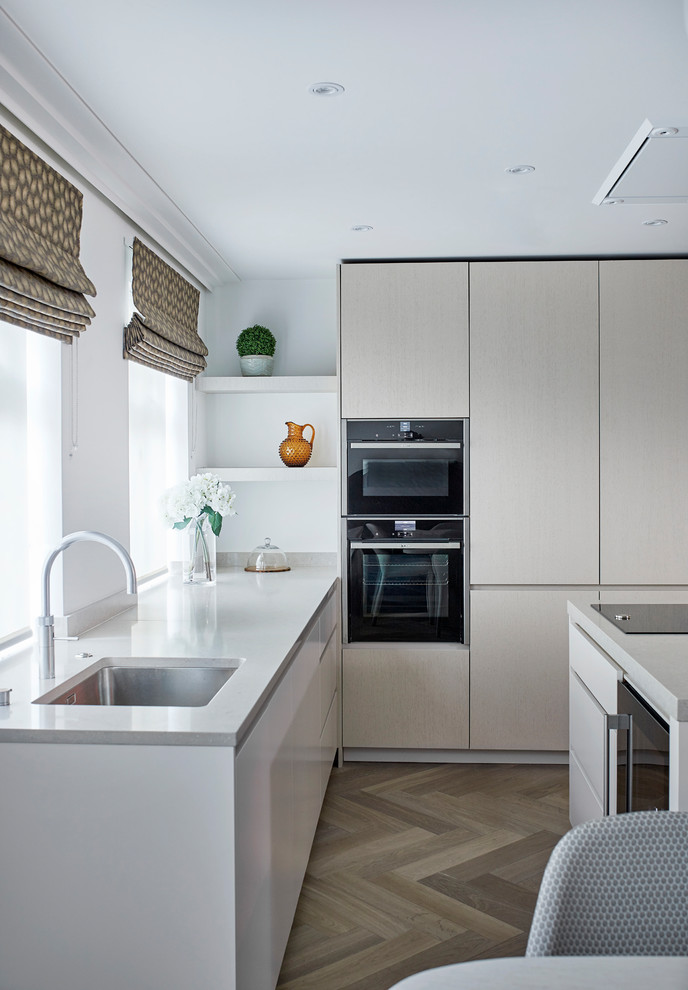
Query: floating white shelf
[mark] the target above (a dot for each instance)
(231, 474)
(268, 384)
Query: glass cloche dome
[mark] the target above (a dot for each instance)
(267, 557)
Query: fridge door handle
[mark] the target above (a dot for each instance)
(619, 723)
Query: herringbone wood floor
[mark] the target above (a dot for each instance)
(421, 865)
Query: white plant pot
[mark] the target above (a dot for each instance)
(253, 365)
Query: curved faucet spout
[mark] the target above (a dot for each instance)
(46, 621)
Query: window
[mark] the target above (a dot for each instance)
(158, 458)
(30, 496)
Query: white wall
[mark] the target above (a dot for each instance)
(302, 314)
(247, 430)
(95, 473)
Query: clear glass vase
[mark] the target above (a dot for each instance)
(199, 565)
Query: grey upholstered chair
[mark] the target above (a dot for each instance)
(616, 886)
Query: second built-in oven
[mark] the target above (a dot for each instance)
(406, 580)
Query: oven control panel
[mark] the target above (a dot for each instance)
(425, 431)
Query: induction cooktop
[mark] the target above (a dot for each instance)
(647, 618)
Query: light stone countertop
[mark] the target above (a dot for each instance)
(656, 664)
(256, 618)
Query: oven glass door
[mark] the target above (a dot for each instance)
(405, 478)
(408, 589)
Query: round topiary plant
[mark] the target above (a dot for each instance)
(256, 340)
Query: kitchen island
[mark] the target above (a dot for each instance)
(154, 847)
(655, 665)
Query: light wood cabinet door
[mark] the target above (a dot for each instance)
(534, 469)
(405, 698)
(644, 411)
(520, 668)
(404, 340)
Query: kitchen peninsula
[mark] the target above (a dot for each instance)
(150, 846)
(655, 665)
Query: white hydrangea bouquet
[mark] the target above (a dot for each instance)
(201, 502)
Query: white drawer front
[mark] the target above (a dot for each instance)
(328, 619)
(328, 678)
(595, 668)
(328, 744)
(587, 735)
(583, 802)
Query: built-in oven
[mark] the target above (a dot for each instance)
(407, 580)
(405, 468)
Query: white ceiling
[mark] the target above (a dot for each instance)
(208, 102)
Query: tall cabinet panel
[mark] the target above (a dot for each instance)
(644, 411)
(520, 668)
(404, 340)
(534, 422)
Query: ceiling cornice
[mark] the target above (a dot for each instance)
(34, 91)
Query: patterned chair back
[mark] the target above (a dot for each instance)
(616, 886)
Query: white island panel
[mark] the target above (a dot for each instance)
(153, 847)
(118, 868)
(655, 664)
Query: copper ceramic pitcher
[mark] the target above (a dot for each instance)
(295, 450)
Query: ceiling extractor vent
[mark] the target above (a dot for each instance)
(652, 169)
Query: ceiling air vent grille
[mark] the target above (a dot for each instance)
(652, 169)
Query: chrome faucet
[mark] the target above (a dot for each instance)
(46, 621)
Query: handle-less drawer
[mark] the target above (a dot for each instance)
(595, 668)
(328, 620)
(587, 735)
(328, 678)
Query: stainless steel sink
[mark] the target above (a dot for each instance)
(165, 683)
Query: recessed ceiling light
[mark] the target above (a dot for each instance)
(520, 169)
(360, 227)
(325, 89)
(654, 223)
(664, 132)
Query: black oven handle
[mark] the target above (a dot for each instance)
(401, 545)
(404, 445)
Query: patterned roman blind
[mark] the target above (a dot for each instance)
(163, 331)
(42, 283)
